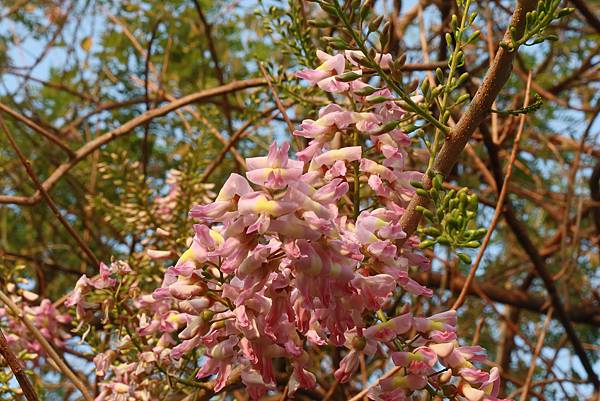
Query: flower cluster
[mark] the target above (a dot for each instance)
(44, 316)
(301, 253)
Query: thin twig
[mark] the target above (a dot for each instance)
(499, 205)
(42, 131)
(538, 348)
(539, 263)
(217, 65)
(280, 107)
(331, 390)
(585, 313)
(232, 141)
(145, 140)
(363, 372)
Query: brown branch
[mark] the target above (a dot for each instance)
(124, 129)
(585, 313)
(47, 197)
(53, 85)
(215, 58)
(494, 80)
(41, 262)
(146, 149)
(538, 348)
(42, 131)
(498, 212)
(520, 231)
(17, 369)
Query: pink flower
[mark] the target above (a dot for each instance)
(103, 361)
(331, 118)
(235, 186)
(387, 331)
(420, 361)
(77, 295)
(255, 384)
(369, 166)
(184, 289)
(366, 122)
(103, 280)
(220, 358)
(488, 389)
(349, 154)
(461, 357)
(445, 321)
(324, 75)
(348, 366)
(301, 377)
(397, 387)
(474, 376)
(374, 290)
(259, 205)
(275, 171)
(273, 273)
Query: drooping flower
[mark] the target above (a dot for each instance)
(274, 171)
(324, 75)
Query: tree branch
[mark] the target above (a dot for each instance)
(539, 265)
(124, 129)
(585, 313)
(494, 80)
(45, 133)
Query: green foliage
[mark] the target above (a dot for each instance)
(537, 22)
(452, 218)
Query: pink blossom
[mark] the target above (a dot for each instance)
(275, 270)
(420, 361)
(236, 185)
(324, 75)
(387, 331)
(349, 154)
(276, 170)
(445, 321)
(331, 118)
(348, 366)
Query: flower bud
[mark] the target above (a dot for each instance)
(359, 343)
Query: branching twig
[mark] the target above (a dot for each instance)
(42, 131)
